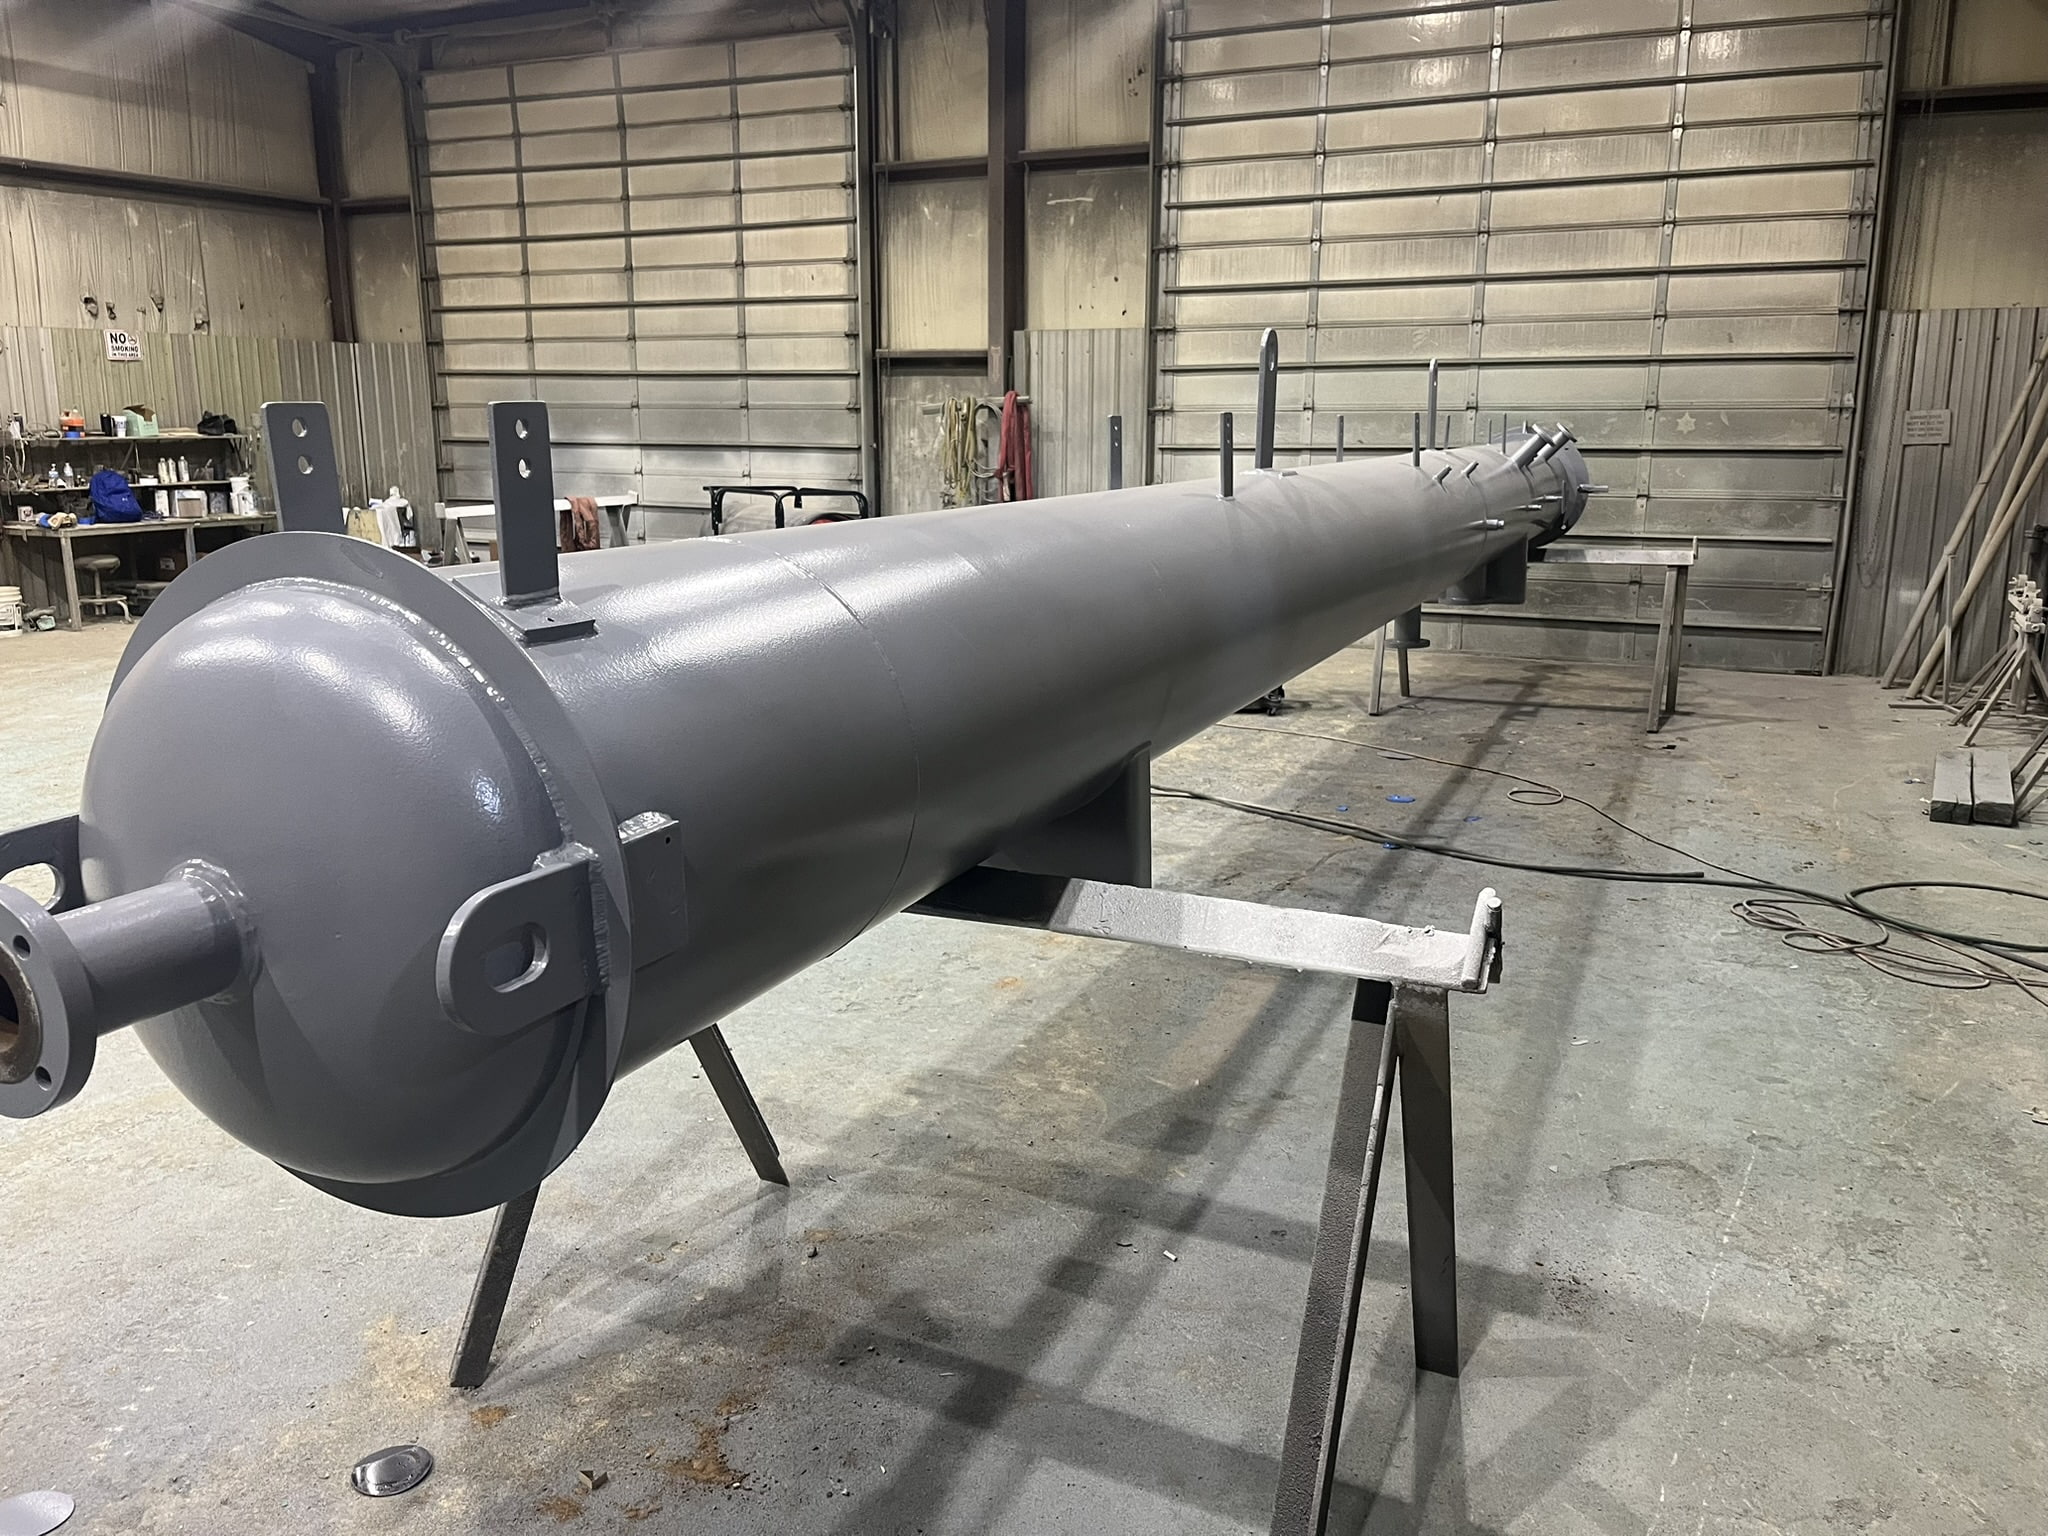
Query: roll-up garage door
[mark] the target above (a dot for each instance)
(1651, 219)
(660, 244)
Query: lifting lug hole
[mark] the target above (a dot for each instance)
(298, 426)
(305, 465)
(516, 959)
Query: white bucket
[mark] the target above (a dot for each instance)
(10, 612)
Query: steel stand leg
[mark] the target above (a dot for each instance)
(1379, 668)
(493, 1287)
(1393, 1027)
(723, 1073)
(1422, 1047)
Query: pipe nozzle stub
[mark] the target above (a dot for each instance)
(67, 979)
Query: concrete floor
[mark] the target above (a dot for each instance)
(1753, 1240)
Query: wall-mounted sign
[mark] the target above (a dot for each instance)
(123, 347)
(1927, 429)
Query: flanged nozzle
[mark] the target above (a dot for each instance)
(68, 978)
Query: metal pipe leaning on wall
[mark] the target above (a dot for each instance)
(395, 871)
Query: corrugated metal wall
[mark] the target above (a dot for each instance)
(154, 90)
(1970, 220)
(159, 266)
(659, 243)
(378, 394)
(1651, 218)
(1077, 380)
(1970, 363)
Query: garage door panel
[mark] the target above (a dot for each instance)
(1581, 156)
(584, 324)
(577, 288)
(1232, 141)
(1403, 170)
(672, 66)
(1735, 101)
(451, 85)
(544, 221)
(798, 280)
(1540, 207)
(566, 113)
(471, 155)
(597, 223)
(686, 105)
(1522, 117)
(1227, 308)
(1738, 292)
(1446, 31)
(1441, 212)
(1780, 518)
(1226, 180)
(1584, 297)
(1714, 427)
(1385, 343)
(1239, 265)
(1772, 475)
(586, 185)
(686, 179)
(1583, 62)
(1197, 348)
(1745, 50)
(1745, 383)
(1281, 90)
(1257, 50)
(1567, 338)
(555, 77)
(1708, 197)
(1777, 144)
(1240, 225)
(1550, 19)
(1399, 258)
(1751, 334)
(1574, 250)
(1441, 122)
(1457, 74)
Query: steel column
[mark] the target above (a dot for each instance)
(1006, 49)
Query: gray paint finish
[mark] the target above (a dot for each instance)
(968, 676)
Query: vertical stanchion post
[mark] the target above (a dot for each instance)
(298, 440)
(1226, 456)
(523, 487)
(1269, 399)
(1432, 401)
(1415, 452)
(1340, 439)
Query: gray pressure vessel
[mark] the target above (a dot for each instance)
(394, 881)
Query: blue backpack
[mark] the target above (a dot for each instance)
(112, 500)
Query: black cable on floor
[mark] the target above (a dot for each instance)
(1777, 910)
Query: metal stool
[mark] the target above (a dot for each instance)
(97, 566)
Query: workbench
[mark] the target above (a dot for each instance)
(1677, 561)
(478, 520)
(32, 552)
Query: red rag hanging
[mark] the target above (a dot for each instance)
(1013, 456)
